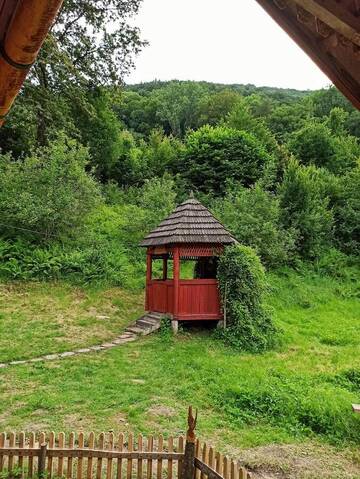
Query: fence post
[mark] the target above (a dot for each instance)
(188, 468)
(42, 459)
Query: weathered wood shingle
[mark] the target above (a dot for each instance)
(190, 222)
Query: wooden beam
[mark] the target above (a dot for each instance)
(356, 408)
(336, 17)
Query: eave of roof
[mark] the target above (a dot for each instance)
(329, 32)
(189, 223)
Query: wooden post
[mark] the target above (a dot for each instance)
(148, 279)
(42, 460)
(176, 281)
(188, 465)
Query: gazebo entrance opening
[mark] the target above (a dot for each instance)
(190, 233)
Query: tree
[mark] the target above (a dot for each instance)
(315, 144)
(214, 155)
(48, 194)
(347, 212)
(253, 216)
(305, 209)
(215, 107)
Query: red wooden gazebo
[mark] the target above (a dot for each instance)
(190, 233)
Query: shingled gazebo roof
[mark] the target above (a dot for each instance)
(190, 222)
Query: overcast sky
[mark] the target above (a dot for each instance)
(225, 41)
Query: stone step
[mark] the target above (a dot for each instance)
(136, 330)
(144, 323)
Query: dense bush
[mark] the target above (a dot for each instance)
(49, 193)
(253, 215)
(242, 286)
(212, 155)
(305, 209)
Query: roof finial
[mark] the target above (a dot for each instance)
(191, 195)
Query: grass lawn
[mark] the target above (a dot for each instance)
(294, 402)
(43, 318)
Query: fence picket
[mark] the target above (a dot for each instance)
(99, 461)
(233, 470)
(197, 454)
(219, 463)
(61, 443)
(31, 459)
(79, 471)
(50, 459)
(150, 445)
(119, 461)
(89, 469)
(204, 457)
(159, 462)
(2, 445)
(211, 461)
(70, 459)
(181, 450)
(129, 462)
(140, 462)
(226, 467)
(21, 459)
(42, 439)
(12, 441)
(109, 461)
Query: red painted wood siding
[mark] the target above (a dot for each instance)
(198, 298)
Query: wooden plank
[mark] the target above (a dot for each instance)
(140, 461)
(79, 472)
(150, 447)
(356, 408)
(89, 470)
(159, 462)
(211, 461)
(12, 440)
(119, 461)
(21, 460)
(197, 454)
(61, 444)
(50, 459)
(130, 462)
(226, 467)
(70, 460)
(218, 463)
(31, 458)
(99, 461)
(170, 461)
(42, 440)
(2, 444)
(207, 470)
(110, 459)
(233, 470)
(204, 457)
(180, 449)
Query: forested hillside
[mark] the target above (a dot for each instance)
(85, 173)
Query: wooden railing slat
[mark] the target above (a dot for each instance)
(159, 462)
(21, 459)
(129, 462)
(89, 469)
(140, 461)
(31, 458)
(119, 461)
(181, 451)
(79, 471)
(70, 459)
(60, 465)
(99, 461)
(50, 459)
(12, 441)
(2, 445)
(150, 445)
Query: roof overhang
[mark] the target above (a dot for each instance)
(329, 32)
(24, 25)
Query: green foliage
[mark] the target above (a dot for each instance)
(242, 285)
(347, 212)
(48, 192)
(305, 209)
(212, 155)
(253, 215)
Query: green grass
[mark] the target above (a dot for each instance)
(43, 318)
(299, 393)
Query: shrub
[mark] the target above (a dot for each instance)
(48, 192)
(305, 209)
(212, 155)
(253, 216)
(242, 286)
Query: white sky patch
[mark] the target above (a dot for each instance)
(223, 41)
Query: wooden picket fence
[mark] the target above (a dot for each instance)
(110, 457)
(27, 456)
